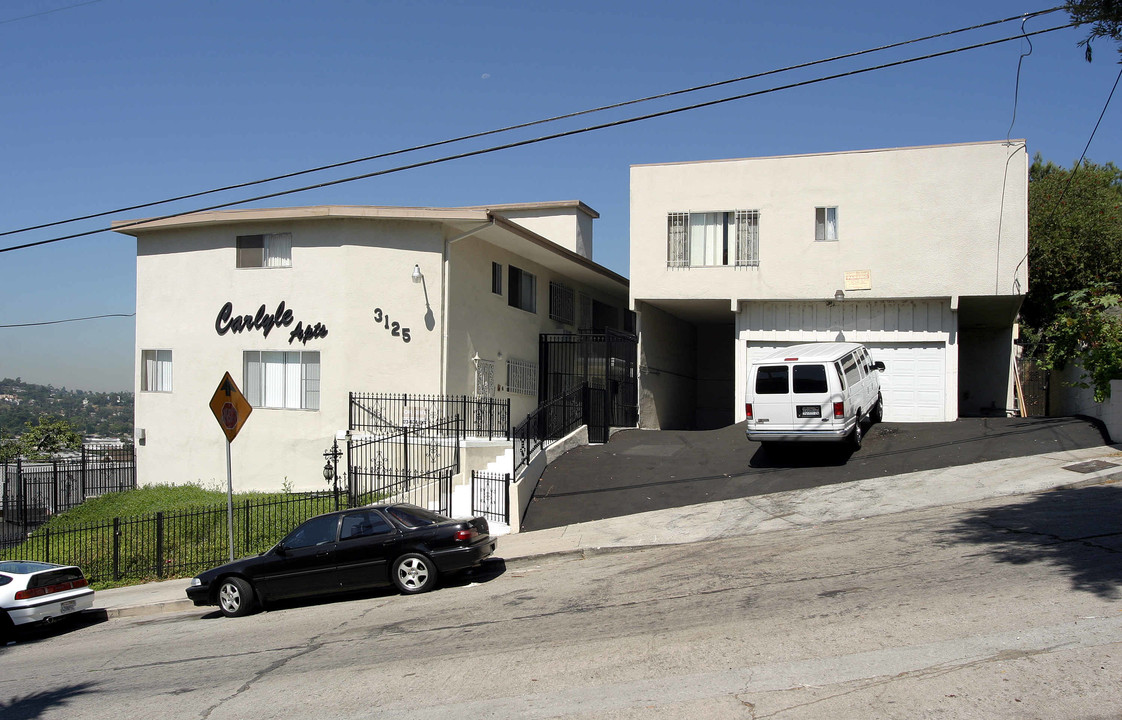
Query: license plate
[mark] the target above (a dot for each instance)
(810, 411)
(68, 605)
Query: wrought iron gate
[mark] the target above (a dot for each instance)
(490, 495)
(410, 464)
(607, 362)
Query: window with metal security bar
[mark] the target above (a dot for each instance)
(826, 224)
(713, 239)
(484, 378)
(271, 250)
(561, 303)
(283, 380)
(521, 377)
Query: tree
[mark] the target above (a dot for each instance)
(1088, 330)
(1075, 235)
(41, 440)
(1104, 17)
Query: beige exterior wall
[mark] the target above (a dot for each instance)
(923, 222)
(567, 224)
(342, 269)
(919, 231)
(184, 277)
(668, 369)
(483, 322)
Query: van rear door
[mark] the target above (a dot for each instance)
(813, 398)
(771, 397)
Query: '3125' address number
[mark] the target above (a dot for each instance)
(394, 328)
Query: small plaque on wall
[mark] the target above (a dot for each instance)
(858, 280)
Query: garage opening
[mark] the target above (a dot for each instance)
(716, 376)
(687, 365)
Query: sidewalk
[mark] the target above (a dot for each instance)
(746, 516)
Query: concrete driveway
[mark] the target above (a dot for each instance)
(641, 470)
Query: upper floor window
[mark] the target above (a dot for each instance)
(826, 224)
(155, 370)
(496, 278)
(523, 288)
(562, 305)
(268, 250)
(282, 379)
(713, 239)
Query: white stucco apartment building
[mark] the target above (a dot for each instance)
(919, 253)
(304, 305)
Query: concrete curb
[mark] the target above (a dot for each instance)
(790, 510)
(158, 608)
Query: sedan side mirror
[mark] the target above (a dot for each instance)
(280, 549)
(879, 365)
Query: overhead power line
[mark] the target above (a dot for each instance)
(543, 138)
(521, 126)
(48, 12)
(69, 320)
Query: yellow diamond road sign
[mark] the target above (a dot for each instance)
(230, 407)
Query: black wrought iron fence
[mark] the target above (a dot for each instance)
(34, 491)
(170, 544)
(490, 495)
(551, 421)
(480, 417)
(413, 465)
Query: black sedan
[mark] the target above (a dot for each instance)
(348, 550)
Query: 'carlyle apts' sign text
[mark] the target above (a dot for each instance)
(227, 321)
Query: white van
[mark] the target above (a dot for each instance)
(816, 392)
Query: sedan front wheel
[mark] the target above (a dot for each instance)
(235, 597)
(414, 573)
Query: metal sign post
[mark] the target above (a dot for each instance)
(231, 409)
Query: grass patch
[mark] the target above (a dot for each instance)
(165, 531)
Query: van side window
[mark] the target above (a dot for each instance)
(771, 380)
(849, 367)
(810, 379)
(841, 375)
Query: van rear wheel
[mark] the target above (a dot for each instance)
(877, 413)
(857, 434)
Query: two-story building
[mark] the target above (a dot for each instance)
(919, 253)
(305, 305)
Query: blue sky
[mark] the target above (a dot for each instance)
(118, 102)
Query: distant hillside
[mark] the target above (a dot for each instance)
(90, 413)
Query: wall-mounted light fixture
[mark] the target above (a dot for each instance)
(839, 296)
(417, 276)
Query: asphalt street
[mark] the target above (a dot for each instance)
(1004, 608)
(642, 470)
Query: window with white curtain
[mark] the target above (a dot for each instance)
(287, 380)
(826, 224)
(270, 250)
(156, 373)
(713, 239)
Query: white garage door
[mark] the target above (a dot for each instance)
(914, 380)
(913, 383)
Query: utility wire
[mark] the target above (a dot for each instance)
(1017, 82)
(70, 320)
(532, 141)
(520, 126)
(48, 12)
